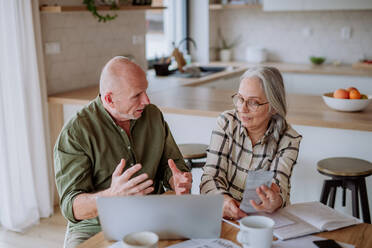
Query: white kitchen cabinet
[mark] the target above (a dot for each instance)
(307, 5)
(316, 84)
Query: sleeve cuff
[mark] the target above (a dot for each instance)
(284, 202)
(66, 207)
(167, 176)
(215, 191)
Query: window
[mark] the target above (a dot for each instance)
(164, 27)
(155, 37)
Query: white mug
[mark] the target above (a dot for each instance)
(256, 232)
(141, 240)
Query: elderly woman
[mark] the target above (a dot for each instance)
(253, 136)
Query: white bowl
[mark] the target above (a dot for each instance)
(348, 105)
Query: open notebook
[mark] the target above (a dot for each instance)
(306, 218)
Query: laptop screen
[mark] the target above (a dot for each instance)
(169, 216)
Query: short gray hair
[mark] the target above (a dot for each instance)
(273, 86)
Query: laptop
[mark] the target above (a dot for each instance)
(169, 216)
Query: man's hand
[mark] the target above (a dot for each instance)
(181, 182)
(270, 197)
(123, 185)
(231, 208)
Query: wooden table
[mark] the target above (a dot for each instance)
(358, 235)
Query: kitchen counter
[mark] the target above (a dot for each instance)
(302, 109)
(164, 82)
(236, 69)
(325, 69)
(161, 83)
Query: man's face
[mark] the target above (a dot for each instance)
(131, 98)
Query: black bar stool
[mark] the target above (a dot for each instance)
(348, 173)
(192, 152)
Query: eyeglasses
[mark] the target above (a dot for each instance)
(251, 104)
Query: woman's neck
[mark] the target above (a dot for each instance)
(256, 134)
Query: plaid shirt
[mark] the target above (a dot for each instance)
(231, 156)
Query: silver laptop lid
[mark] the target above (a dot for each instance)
(170, 216)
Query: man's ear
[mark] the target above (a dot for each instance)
(108, 99)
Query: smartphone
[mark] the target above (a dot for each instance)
(328, 243)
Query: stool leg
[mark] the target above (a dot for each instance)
(343, 196)
(333, 197)
(189, 163)
(325, 191)
(364, 201)
(355, 200)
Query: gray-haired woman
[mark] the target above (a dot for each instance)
(253, 136)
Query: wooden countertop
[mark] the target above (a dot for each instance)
(356, 235)
(326, 69)
(302, 109)
(238, 68)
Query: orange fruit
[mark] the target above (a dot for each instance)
(354, 94)
(341, 94)
(351, 88)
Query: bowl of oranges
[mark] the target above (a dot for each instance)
(348, 100)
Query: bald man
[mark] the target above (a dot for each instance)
(117, 145)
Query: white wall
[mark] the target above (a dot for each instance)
(282, 33)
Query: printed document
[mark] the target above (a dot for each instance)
(254, 180)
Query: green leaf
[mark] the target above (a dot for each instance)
(91, 6)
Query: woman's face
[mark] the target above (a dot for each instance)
(254, 115)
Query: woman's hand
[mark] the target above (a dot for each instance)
(270, 197)
(231, 208)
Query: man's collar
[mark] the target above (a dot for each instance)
(107, 114)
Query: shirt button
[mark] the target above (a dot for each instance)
(122, 130)
(129, 147)
(131, 164)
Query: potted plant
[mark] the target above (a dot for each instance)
(91, 6)
(225, 47)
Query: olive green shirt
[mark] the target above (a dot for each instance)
(91, 145)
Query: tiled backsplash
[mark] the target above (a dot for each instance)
(86, 44)
(284, 34)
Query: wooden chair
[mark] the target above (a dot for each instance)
(192, 152)
(347, 173)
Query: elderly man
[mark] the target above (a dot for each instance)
(118, 145)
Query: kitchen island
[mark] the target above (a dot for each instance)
(305, 110)
(191, 113)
